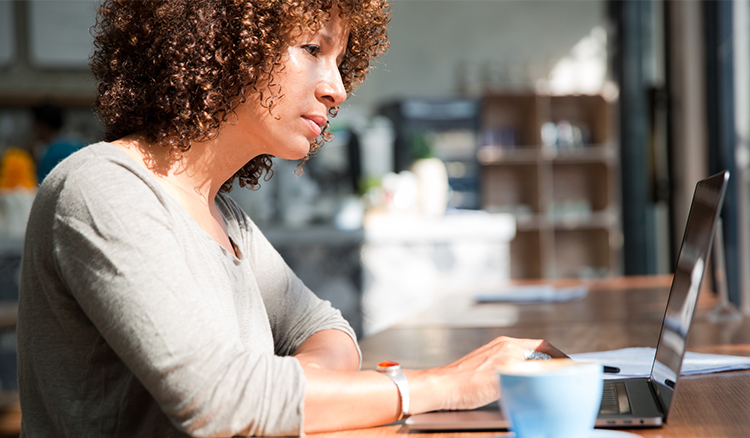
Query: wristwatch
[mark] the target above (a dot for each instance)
(394, 371)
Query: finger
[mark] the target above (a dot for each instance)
(514, 350)
(545, 347)
(542, 346)
(500, 351)
(506, 348)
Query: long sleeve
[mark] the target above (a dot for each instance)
(133, 322)
(294, 312)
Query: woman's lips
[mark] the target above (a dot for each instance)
(315, 123)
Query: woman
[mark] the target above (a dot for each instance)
(151, 305)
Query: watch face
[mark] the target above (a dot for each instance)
(386, 365)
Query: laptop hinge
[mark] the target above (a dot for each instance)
(659, 402)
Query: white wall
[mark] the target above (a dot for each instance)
(431, 41)
(50, 19)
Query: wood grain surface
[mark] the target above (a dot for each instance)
(616, 313)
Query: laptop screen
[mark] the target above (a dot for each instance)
(691, 263)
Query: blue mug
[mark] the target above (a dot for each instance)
(556, 398)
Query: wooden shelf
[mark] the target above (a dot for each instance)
(512, 187)
(582, 253)
(489, 155)
(540, 222)
(552, 161)
(605, 219)
(525, 253)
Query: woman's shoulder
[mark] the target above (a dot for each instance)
(96, 160)
(100, 171)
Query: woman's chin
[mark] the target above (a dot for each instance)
(295, 154)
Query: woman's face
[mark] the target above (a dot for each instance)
(310, 84)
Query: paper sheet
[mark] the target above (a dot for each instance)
(532, 294)
(636, 362)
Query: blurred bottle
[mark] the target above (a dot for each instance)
(432, 186)
(17, 170)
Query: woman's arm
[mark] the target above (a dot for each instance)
(328, 349)
(337, 400)
(303, 325)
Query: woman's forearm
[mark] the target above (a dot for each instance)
(338, 397)
(338, 400)
(345, 400)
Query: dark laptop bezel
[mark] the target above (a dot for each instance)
(718, 184)
(646, 389)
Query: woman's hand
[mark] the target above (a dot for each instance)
(471, 381)
(336, 399)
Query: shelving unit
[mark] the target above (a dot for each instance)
(552, 161)
(449, 125)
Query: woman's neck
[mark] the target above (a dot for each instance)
(192, 178)
(197, 174)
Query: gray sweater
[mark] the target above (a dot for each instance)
(133, 322)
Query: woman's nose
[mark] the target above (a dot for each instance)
(331, 88)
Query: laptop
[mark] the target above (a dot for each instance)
(634, 402)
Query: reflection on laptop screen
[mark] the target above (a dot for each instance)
(688, 274)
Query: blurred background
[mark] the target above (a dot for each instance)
(498, 140)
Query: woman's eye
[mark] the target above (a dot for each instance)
(311, 49)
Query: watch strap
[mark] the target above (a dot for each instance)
(394, 371)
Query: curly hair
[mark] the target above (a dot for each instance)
(175, 70)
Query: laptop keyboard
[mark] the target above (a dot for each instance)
(614, 399)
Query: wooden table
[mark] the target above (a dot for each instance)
(617, 313)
